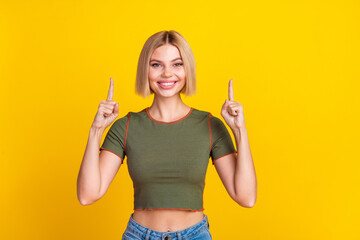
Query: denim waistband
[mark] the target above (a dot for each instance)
(146, 233)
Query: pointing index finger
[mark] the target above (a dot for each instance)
(111, 90)
(231, 92)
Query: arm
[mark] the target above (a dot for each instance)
(237, 171)
(245, 176)
(88, 182)
(96, 171)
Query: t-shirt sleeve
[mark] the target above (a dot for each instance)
(222, 143)
(115, 138)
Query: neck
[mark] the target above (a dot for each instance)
(168, 108)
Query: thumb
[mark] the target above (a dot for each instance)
(116, 109)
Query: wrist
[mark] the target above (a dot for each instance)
(239, 131)
(96, 132)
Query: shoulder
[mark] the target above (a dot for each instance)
(200, 114)
(215, 120)
(131, 115)
(137, 116)
(122, 120)
(121, 124)
(217, 125)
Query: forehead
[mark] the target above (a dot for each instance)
(166, 52)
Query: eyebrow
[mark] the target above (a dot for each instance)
(160, 61)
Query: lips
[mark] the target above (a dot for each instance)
(166, 84)
(166, 81)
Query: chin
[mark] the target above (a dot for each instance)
(167, 93)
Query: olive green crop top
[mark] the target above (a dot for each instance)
(167, 161)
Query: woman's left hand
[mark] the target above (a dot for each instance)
(232, 111)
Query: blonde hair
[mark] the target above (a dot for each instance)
(156, 40)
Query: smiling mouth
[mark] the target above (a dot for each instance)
(167, 83)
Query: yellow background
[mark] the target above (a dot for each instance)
(295, 66)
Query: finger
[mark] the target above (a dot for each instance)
(106, 111)
(108, 107)
(111, 90)
(235, 104)
(231, 92)
(232, 111)
(108, 102)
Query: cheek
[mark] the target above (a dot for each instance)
(152, 74)
(181, 73)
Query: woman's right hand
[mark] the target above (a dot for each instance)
(108, 110)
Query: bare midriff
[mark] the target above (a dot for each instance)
(168, 220)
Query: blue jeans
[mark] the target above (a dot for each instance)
(199, 231)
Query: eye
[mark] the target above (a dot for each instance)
(178, 64)
(155, 65)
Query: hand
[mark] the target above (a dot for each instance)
(108, 110)
(232, 111)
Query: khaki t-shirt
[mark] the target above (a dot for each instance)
(167, 161)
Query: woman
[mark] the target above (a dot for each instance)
(168, 146)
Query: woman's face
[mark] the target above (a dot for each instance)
(166, 71)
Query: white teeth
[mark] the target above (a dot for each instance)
(167, 84)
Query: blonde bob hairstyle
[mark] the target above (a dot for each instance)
(158, 39)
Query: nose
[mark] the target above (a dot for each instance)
(167, 72)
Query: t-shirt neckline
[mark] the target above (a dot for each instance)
(178, 120)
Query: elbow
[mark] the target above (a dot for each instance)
(86, 198)
(250, 204)
(86, 202)
(247, 198)
(83, 202)
(246, 202)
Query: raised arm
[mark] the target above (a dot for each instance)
(237, 171)
(97, 171)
